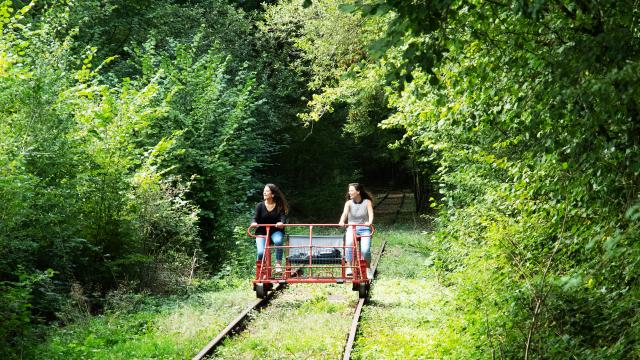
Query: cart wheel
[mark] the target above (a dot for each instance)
(261, 292)
(363, 290)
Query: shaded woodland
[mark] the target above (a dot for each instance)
(136, 136)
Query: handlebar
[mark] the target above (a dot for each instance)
(268, 226)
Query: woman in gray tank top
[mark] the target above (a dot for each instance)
(358, 210)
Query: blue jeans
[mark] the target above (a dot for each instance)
(277, 239)
(365, 242)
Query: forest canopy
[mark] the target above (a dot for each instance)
(136, 136)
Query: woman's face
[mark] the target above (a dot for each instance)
(266, 193)
(353, 193)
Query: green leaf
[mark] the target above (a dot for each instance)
(611, 242)
(633, 213)
(348, 8)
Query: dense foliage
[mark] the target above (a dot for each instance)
(135, 136)
(324, 43)
(110, 179)
(530, 111)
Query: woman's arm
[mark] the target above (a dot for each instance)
(345, 212)
(256, 215)
(282, 219)
(370, 211)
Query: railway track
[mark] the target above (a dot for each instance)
(382, 199)
(239, 323)
(351, 338)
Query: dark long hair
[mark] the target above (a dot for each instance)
(278, 197)
(364, 194)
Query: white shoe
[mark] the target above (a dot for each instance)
(278, 268)
(369, 273)
(349, 272)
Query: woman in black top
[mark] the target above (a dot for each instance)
(272, 210)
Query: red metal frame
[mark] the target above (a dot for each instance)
(266, 275)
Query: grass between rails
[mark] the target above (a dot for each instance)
(307, 321)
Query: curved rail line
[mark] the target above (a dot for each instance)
(238, 324)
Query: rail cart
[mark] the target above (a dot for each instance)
(309, 257)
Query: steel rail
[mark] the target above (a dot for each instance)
(351, 339)
(381, 200)
(237, 324)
